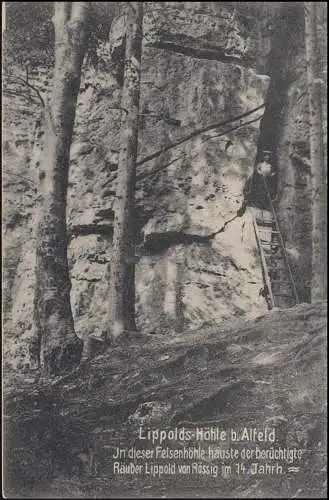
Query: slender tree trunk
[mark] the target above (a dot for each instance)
(319, 204)
(122, 272)
(60, 348)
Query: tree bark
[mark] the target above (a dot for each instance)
(122, 267)
(318, 169)
(59, 346)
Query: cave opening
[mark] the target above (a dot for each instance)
(285, 43)
(290, 202)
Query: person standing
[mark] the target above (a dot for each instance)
(261, 185)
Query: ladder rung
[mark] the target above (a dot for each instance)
(265, 223)
(283, 295)
(273, 248)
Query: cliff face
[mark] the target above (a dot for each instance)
(202, 64)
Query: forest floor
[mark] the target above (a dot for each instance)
(269, 372)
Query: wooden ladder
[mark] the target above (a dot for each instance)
(279, 283)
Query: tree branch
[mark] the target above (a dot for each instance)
(26, 179)
(201, 131)
(162, 167)
(119, 108)
(22, 81)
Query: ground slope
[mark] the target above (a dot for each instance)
(270, 371)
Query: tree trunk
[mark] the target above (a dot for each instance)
(60, 348)
(319, 204)
(122, 267)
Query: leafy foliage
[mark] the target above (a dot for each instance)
(29, 35)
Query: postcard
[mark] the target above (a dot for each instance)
(164, 249)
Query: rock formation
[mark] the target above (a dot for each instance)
(202, 64)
